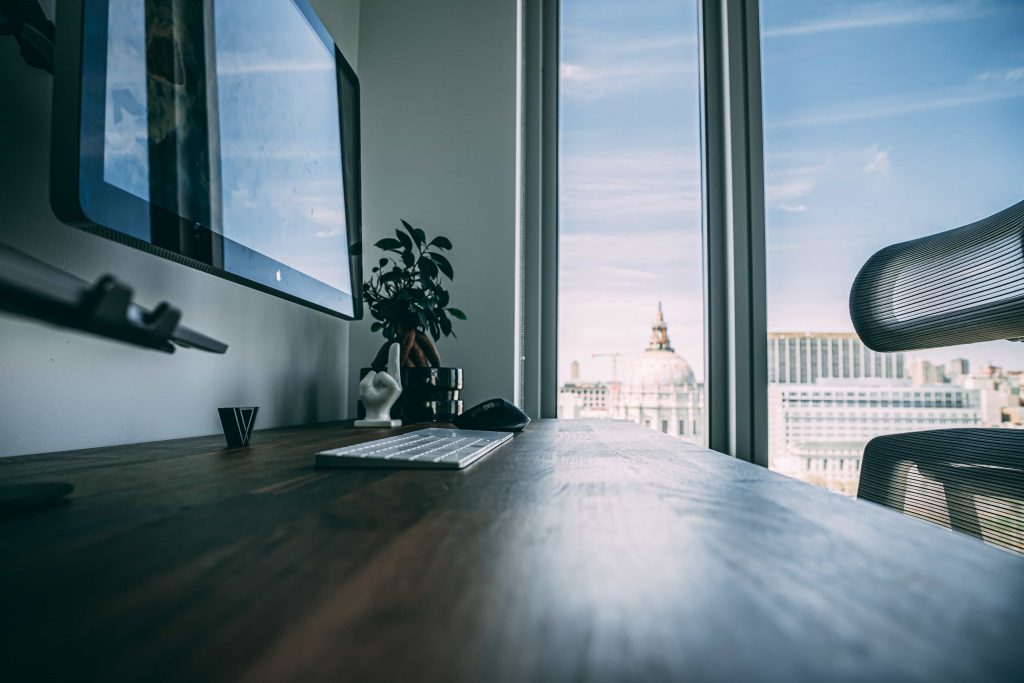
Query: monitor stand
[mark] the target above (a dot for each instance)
(31, 288)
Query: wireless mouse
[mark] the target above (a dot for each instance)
(497, 415)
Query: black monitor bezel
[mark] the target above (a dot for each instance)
(76, 175)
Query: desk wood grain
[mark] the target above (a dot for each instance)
(580, 551)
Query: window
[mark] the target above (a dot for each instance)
(630, 246)
(882, 123)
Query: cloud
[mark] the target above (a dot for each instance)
(624, 188)
(792, 176)
(591, 82)
(885, 108)
(244, 63)
(238, 148)
(324, 214)
(787, 188)
(635, 254)
(619, 44)
(333, 232)
(793, 208)
(631, 233)
(597, 64)
(879, 163)
(1016, 74)
(878, 15)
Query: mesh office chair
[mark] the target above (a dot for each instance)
(970, 480)
(961, 286)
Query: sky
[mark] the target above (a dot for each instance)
(884, 121)
(277, 115)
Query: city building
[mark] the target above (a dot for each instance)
(959, 367)
(804, 357)
(924, 372)
(817, 432)
(998, 393)
(660, 392)
(828, 395)
(579, 400)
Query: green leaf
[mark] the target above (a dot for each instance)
(427, 266)
(418, 235)
(388, 244)
(356, 249)
(444, 264)
(407, 284)
(406, 242)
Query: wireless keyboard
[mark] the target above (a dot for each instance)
(425, 448)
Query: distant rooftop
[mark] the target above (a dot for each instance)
(790, 335)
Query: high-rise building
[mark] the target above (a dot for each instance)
(997, 399)
(958, 367)
(804, 357)
(818, 432)
(924, 372)
(829, 395)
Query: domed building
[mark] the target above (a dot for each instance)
(661, 391)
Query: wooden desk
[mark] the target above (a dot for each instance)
(581, 551)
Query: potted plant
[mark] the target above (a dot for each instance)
(407, 296)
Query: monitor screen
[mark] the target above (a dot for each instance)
(221, 133)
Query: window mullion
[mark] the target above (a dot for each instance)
(733, 217)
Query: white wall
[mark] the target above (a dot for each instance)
(62, 390)
(438, 82)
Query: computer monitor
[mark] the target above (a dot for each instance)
(221, 134)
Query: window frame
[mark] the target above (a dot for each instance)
(733, 221)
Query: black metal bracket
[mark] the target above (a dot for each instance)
(28, 23)
(33, 289)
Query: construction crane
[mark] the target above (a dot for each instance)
(615, 363)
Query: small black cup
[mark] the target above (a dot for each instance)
(238, 424)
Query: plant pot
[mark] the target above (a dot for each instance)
(428, 395)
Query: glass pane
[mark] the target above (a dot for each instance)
(883, 122)
(630, 340)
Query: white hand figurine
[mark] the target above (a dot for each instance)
(379, 391)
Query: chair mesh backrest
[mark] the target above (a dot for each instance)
(957, 287)
(971, 480)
